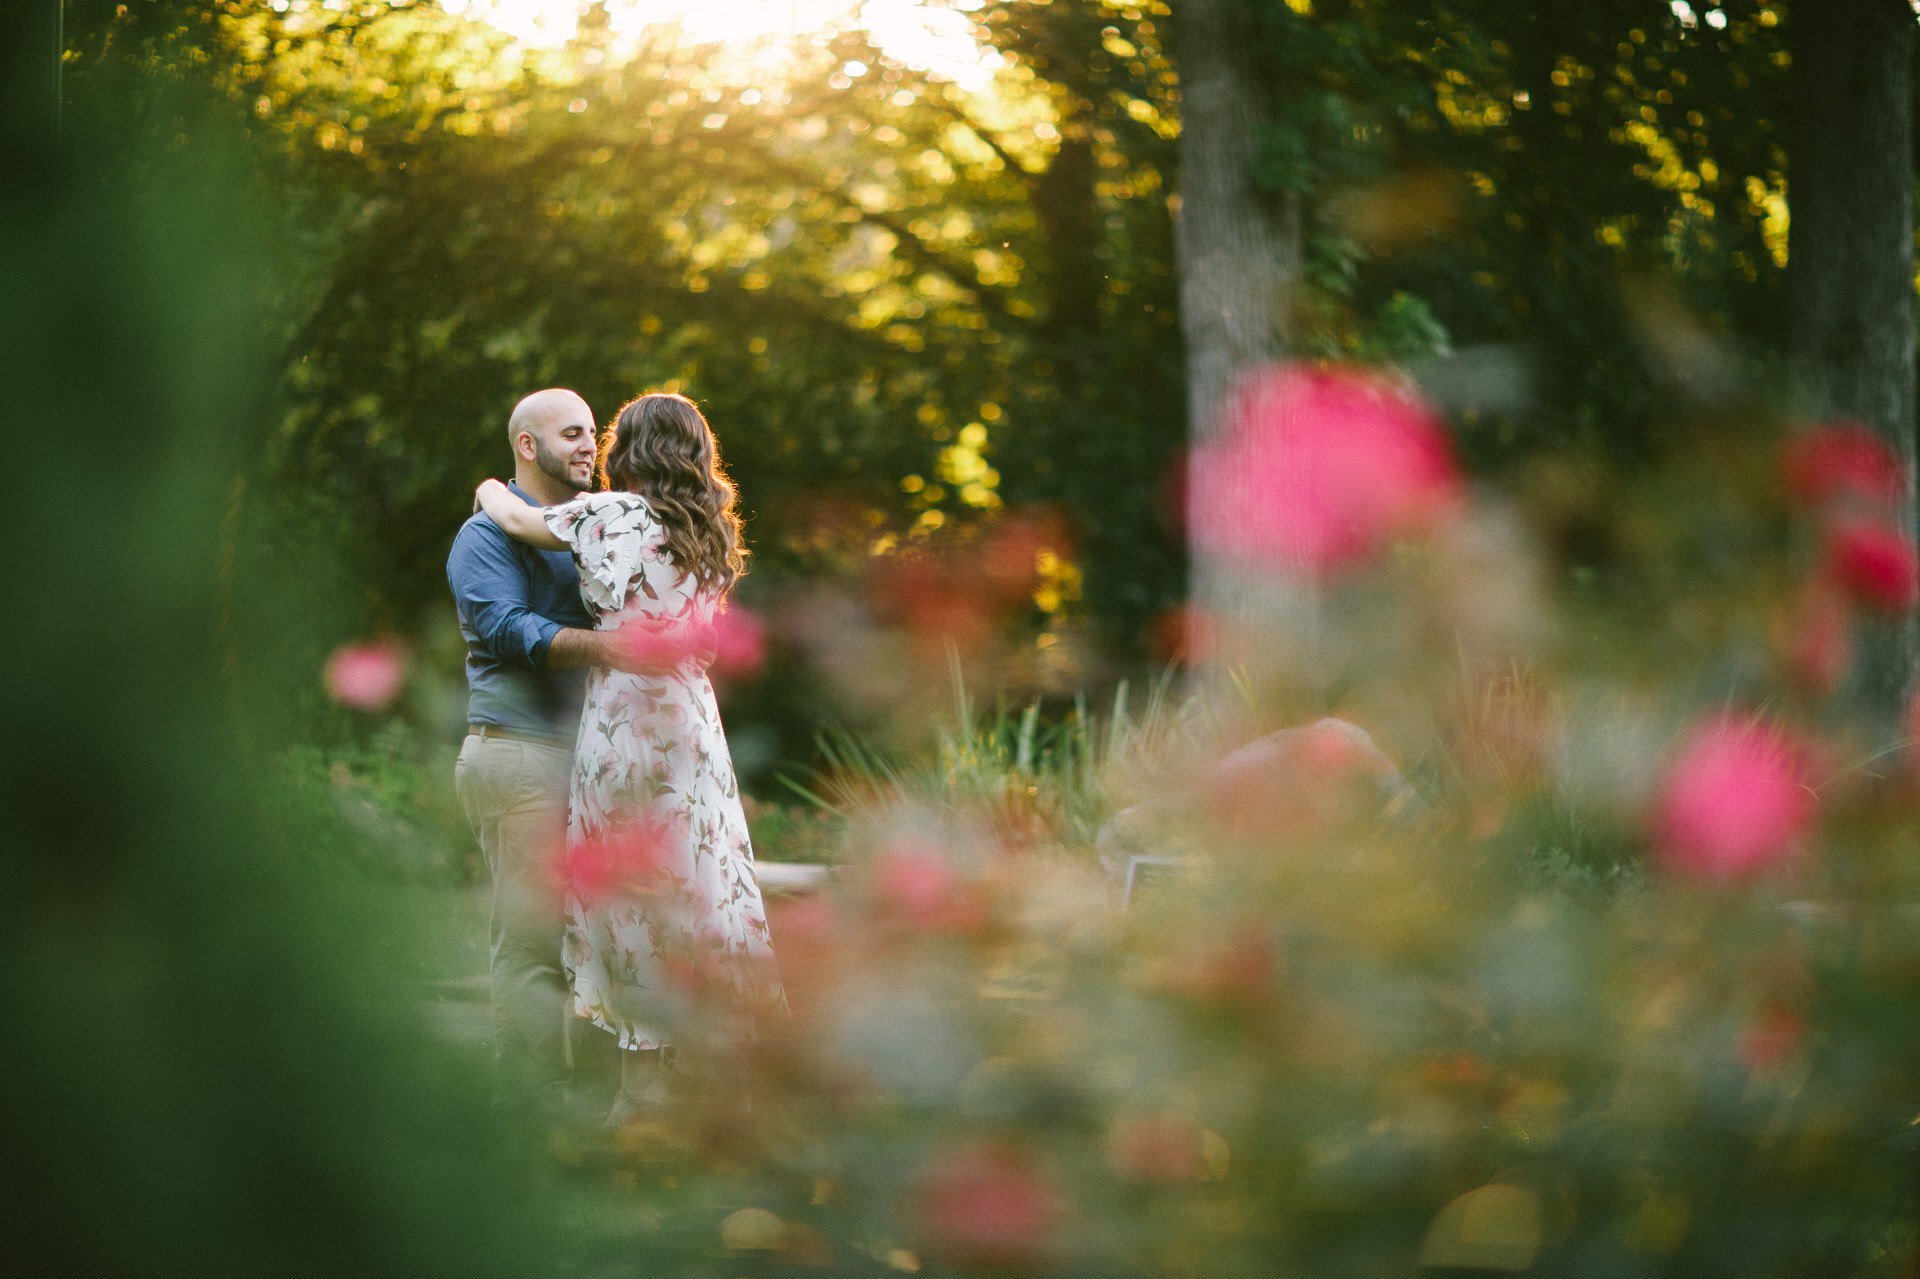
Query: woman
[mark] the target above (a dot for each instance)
(669, 897)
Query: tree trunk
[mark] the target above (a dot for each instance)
(1851, 267)
(1238, 248)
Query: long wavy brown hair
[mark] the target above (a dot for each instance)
(662, 448)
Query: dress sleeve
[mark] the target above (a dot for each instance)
(610, 535)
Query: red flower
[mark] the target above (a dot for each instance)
(624, 860)
(366, 677)
(1875, 565)
(1733, 801)
(986, 1205)
(1842, 461)
(1320, 469)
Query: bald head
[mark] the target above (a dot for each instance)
(552, 436)
(540, 408)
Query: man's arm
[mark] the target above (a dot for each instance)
(491, 592)
(573, 647)
(492, 595)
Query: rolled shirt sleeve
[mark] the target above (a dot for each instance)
(492, 594)
(512, 599)
(490, 590)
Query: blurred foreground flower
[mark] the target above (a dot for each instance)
(916, 884)
(1874, 564)
(1734, 800)
(623, 860)
(739, 643)
(1320, 469)
(734, 646)
(986, 1205)
(1841, 462)
(367, 676)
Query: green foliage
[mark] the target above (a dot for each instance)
(384, 809)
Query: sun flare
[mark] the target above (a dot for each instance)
(934, 37)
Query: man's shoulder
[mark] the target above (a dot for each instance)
(479, 538)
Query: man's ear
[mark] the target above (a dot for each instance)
(523, 446)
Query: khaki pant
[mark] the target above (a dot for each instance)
(515, 797)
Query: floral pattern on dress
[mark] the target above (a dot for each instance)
(651, 754)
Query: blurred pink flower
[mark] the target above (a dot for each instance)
(1163, 1146)
(1733, 800)
(662, 645)
(739, 643)
(986, 1205)
(625, 860)
(1845, 460)
(1320, 469)
(367, 676)
(915, 884)
(1874, 564)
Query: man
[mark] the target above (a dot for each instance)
(529, 640)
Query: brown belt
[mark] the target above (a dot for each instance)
(514, 735)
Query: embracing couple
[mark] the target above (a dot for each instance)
(592, 728)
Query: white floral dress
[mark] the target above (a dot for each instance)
(651, 754)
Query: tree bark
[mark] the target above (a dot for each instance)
(1238, 250)
(1851, 266)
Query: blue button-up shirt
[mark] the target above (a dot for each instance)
(512, 599)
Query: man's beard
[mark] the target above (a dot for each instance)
(554, 467)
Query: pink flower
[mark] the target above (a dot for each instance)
(915, 884)
(1733, 800)
(1875, 565)
(986, 1205)
(660, 647)
(619, 861)
(739, 643)
(1320, 469)
(1841, 461)
(366, 677)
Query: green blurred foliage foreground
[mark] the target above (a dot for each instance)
(1477, 1039)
